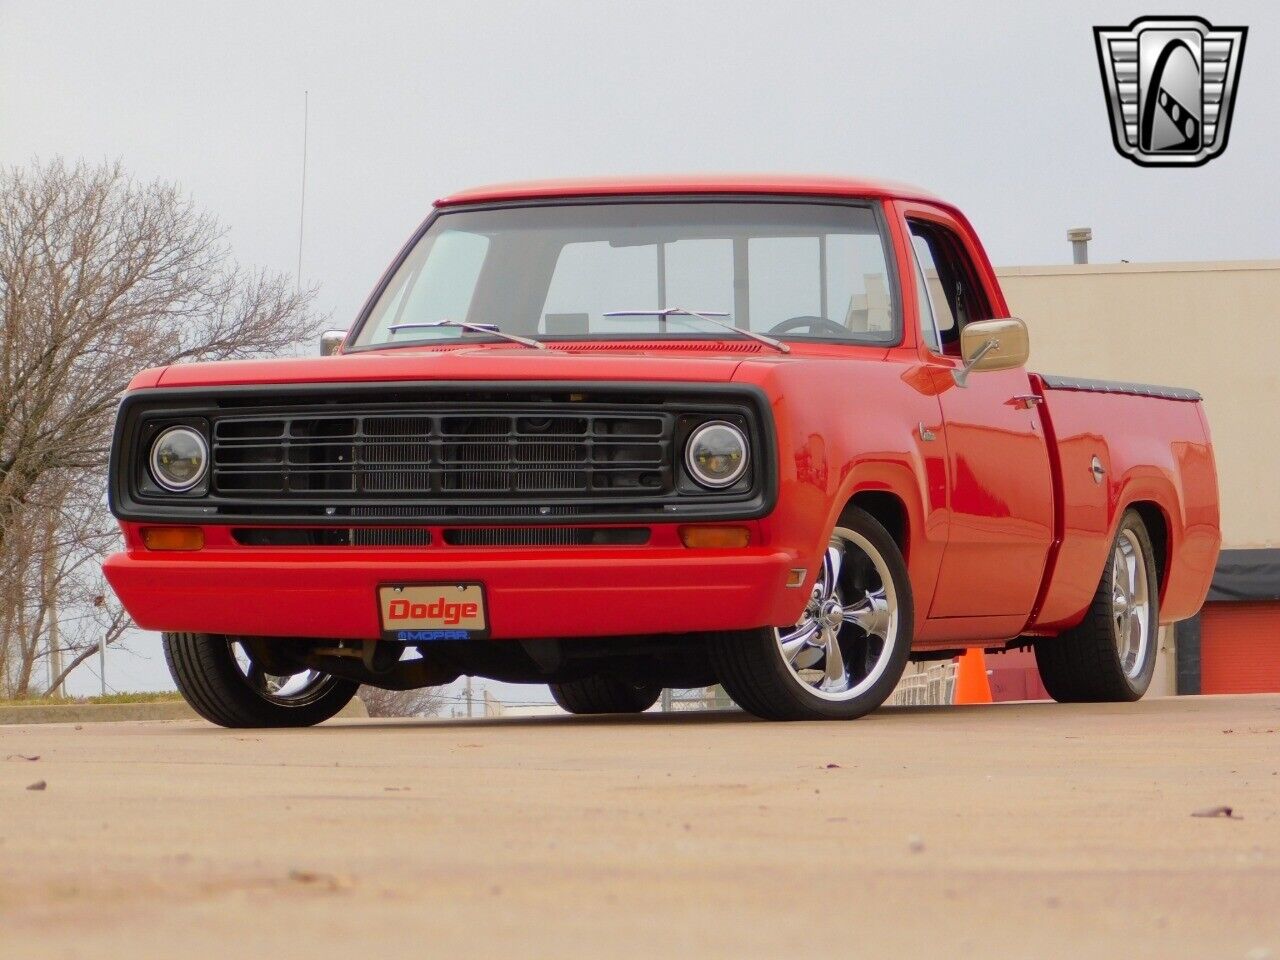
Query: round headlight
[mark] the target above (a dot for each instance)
(179, 458)
(716, 454)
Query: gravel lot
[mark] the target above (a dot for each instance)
(1015, 830)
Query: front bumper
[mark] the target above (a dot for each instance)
(529, 593)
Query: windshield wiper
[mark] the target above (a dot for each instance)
(473, 327)
(711, 316)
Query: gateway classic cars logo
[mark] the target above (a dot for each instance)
(1170, 84)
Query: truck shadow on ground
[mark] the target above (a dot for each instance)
(937, 712)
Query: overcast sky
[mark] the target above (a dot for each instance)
(998, 108)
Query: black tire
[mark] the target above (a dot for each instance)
(205, 669)
(754, 672)
(1084, 665)
(605, 694)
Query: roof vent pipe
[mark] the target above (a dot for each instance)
(1080, 237)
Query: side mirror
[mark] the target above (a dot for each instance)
(331, 342)
(992, 345)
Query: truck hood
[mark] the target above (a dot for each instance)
(603, 361)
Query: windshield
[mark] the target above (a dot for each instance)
(793, 271)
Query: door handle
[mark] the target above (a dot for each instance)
(1027, 400)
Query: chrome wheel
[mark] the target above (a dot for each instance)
(846, 636)
(293, 689)
(1130, 603)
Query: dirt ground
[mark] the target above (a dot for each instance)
(1031, 830)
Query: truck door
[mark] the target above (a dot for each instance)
(999, 481)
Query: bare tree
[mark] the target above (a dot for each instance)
(423, 702)
(100, 276)
(51, 583)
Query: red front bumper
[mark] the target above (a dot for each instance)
(546, 592)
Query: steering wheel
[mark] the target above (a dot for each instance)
(817, 326)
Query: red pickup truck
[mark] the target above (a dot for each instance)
(615, 436)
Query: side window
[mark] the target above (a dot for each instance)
(927, 292)
(949, 297)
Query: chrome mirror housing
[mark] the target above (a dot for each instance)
(331, 342)
(992, 345)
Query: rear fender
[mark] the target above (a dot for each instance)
(1191, 543)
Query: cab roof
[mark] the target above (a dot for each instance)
(782, 184)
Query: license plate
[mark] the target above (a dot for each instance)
(422, 612)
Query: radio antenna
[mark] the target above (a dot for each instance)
(302, 204)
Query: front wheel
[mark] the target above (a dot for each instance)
(848, 650)
(225, 681)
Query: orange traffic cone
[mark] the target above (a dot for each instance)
(972, 685)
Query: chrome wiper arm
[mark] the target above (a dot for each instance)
(473, 327)
(711, 316)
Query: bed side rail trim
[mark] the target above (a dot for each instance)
(1119, 386)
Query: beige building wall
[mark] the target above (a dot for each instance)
(1214, 327)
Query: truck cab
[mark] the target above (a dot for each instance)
(615, 436)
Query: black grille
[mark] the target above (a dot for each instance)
(481, 454)
(358, 457)
(332, 537)
(387, 536)
(545, 536)
(453, 537)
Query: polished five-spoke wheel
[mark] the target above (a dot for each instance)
(847, 651)
(838, 647)
(1130, 602)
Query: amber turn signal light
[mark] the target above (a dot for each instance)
(173, 538)
(718, 537)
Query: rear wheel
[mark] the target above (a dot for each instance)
(227, 684)
(1111, 655)
(605, 694)
(848, 650)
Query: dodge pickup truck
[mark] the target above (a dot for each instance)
(616, 436)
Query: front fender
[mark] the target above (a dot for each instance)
(847, 427)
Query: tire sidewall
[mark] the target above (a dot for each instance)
(211, 682)
(604, 694)
(815, 707)
(1133, 523)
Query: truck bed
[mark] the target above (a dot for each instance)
(1152, 444)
